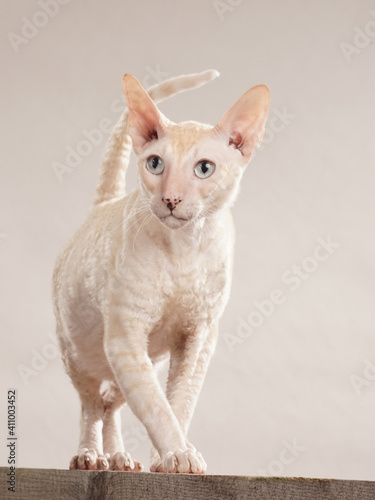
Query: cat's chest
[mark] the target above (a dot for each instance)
(192, 297)
(185, 279)
(193, 274)
(194, 292)
(178, 286)
(184, 272)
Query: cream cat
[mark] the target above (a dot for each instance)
(148, 275)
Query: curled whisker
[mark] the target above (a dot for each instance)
(141, 214)
(143, 223)
(132, 213)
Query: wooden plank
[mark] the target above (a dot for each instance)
(53, 484)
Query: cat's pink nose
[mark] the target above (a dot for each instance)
(171, 202)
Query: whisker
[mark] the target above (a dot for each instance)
(137, 220)
(133, 212)
(145, 221)
(138, 210)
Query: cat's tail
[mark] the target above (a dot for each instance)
(117, 151)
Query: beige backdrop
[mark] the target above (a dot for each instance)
(291, 390)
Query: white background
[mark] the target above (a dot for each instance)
(292, 379)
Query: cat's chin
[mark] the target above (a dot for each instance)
(173, 222)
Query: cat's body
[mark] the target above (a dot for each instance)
(148, 275)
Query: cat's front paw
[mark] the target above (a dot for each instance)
(155, 460)
(156, 466)
(89, 459)
(189, 461)
(123, 461)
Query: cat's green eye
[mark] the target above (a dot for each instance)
(204, 169)
(155, 164)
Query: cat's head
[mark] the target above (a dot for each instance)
(191, 170)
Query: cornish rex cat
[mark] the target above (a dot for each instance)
(148, 274)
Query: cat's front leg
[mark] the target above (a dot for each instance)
(188, 366)
(126, 350)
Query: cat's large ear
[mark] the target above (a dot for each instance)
(244, 123)
(146, 122)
